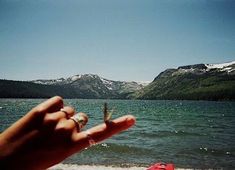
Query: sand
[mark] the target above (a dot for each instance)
(91, 167)
(96, 167)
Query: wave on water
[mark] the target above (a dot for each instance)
(171, 133)
(110, 154)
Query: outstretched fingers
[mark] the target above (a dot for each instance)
(51, 119)
(34, 118)
(102, 131)
(51, 105)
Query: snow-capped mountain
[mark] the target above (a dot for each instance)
(192, 82)
(49, 82)
(199, 81)
(223, 67)
(228, 67)
(199, 69)
(95, 85)
(62, 81)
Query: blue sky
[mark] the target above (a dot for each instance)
(117, 39)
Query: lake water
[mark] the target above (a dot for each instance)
(190, 134)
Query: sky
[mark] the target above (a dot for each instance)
(130, 40)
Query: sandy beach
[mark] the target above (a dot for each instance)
(97, 167)
(91, 167)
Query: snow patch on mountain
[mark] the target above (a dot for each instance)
(203, 68)
(107, 83)
(49, 82)
(76, 77)
(223, 67)
(219, 66)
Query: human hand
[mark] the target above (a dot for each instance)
(45, 136)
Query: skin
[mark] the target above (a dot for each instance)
(45, 136)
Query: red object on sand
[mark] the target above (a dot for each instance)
(161, 166)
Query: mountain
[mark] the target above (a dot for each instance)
(22, 89)
(194, 82)
(93, 86)
(78, 86)
(191, 82)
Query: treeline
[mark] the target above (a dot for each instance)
(23, 89)
(178, 87)
(191, 87)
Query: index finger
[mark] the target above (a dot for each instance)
(51, 105)
(103, 131)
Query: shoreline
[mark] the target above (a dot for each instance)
(92, 167)
(98, 167)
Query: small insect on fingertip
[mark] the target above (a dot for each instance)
(107, 114)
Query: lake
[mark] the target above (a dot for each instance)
(190, 134)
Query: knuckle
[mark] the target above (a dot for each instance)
(64, 127)
(71, 109)
(50, 119)
(39, 109)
